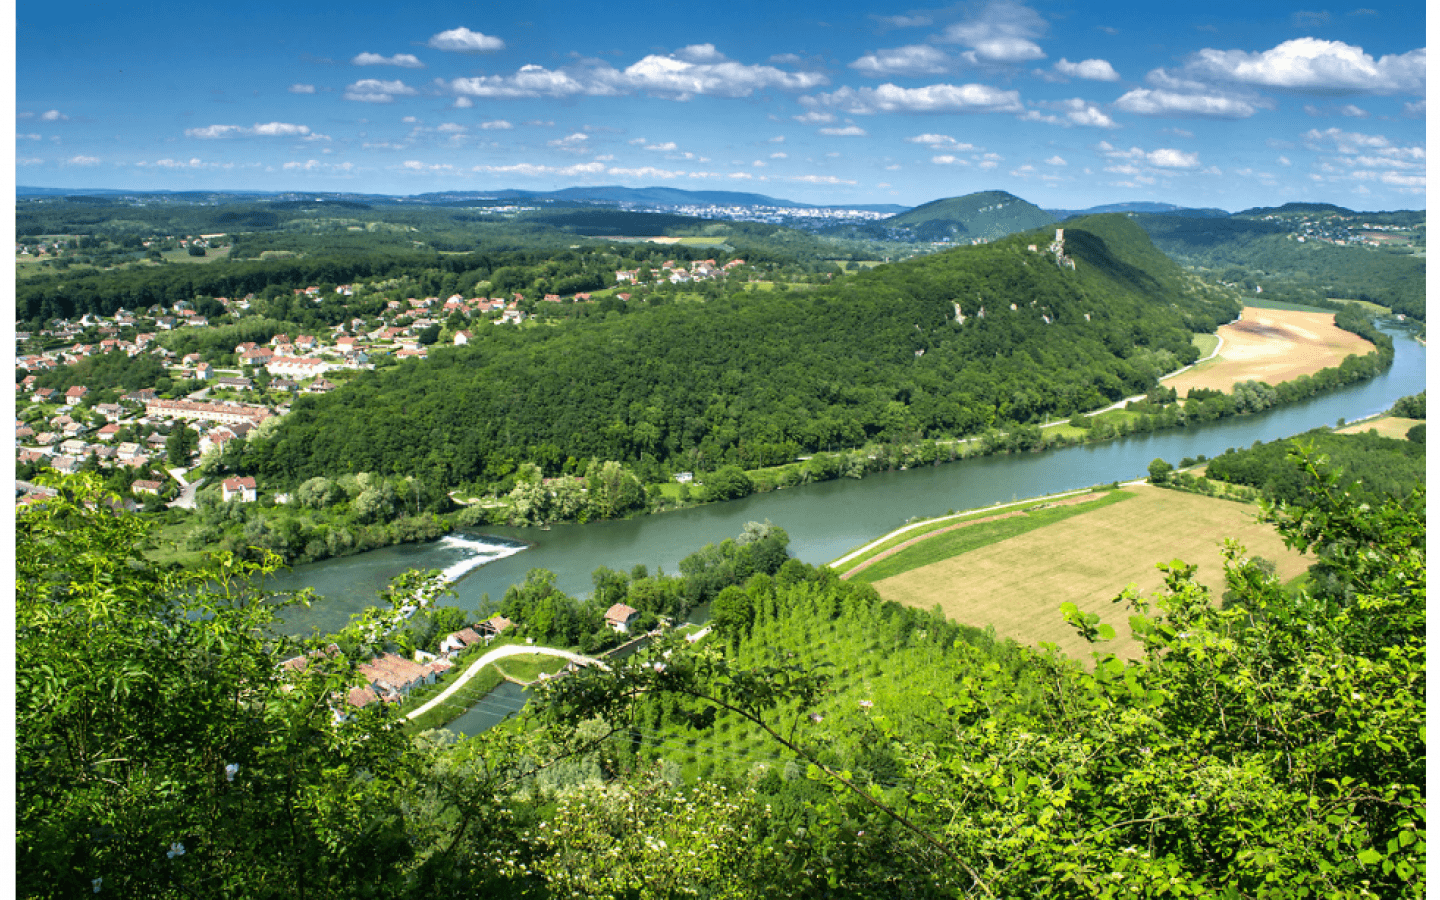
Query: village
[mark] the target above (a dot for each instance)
(155, 436)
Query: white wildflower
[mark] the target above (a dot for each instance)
(95, 884)
(176, 849)
(230, 770)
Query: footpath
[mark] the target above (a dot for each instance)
(487, 659)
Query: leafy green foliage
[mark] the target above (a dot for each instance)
(751, 380)
(1369, 466)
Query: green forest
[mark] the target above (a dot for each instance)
(820, 743)
(754, 379)
(1254, 251)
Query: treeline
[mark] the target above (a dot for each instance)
(1372, 468)
(542, 611)
(1239, 249)
(882, 355)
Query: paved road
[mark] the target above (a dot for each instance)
(487, 659)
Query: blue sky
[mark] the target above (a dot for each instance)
(1064, 103)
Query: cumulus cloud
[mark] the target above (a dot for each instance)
(27, 137)
(1091, 69)
(302, 88)
(940, 142)
(496, 125)
(403, 60)
(463, 40)
(937, 98)
(815, 117)
(846, 131)
(1079, 112)
(1003, 32)
(1311, 64)
(1354, 111)
(948, 159)
(269, 129)
(54, 115)
(1130, 161)
(574, 142)
(82, 161)
(676, 76)
(450, 128)
(375, 90)
(1147, 102)
(916, 59)
(1056, 160)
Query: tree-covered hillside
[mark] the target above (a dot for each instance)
(1271, 747)
(986, 215)
(1249, 250)
(946, 345)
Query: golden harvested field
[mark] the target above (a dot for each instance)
(1018, 584)
(1389, 426)
(1272, 345)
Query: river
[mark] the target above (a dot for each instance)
(824, 520)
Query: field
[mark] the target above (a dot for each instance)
(1272, 345)
(1017, 584)
(1389, 426)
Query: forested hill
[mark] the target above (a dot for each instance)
(949, 344)
(984, 215)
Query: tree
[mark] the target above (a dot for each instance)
(181, 445)
(1160, 471)
(159, 750)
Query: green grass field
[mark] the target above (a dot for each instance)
(1205, 343)
(529, 666)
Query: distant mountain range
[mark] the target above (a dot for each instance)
(986, 215)
(1142, 206)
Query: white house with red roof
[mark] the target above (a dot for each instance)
(243, 488)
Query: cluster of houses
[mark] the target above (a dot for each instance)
(670, 272)
(390, 677)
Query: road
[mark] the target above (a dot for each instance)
(487, 659)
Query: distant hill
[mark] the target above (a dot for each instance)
(987, 215)
(1297, 209)
(1142, 207)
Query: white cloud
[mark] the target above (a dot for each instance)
(82, 161)
(1354, 111)
(1091, 69)
(939, 142)
(1315, 65)
(1415, 110)
(54, 115)
(1079, 112)
(700, 53)
(949, 159)
(815, 117)
(1284, 161)
(847, 131)
(1001, 33)
(670, 76)
(375, 90)
(463, 40)
(496, 125)
(939, 98)
(1145, 102)
(269, 129)
(1169, 158)
(451, 128)
(916, 59)
(29, 161)
(313, 165)
(403, 60)
(27, 137)
(818, 179)
(574, 141)
(1056, 161)
(463, 103)
(779, 156)
(302, 88)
